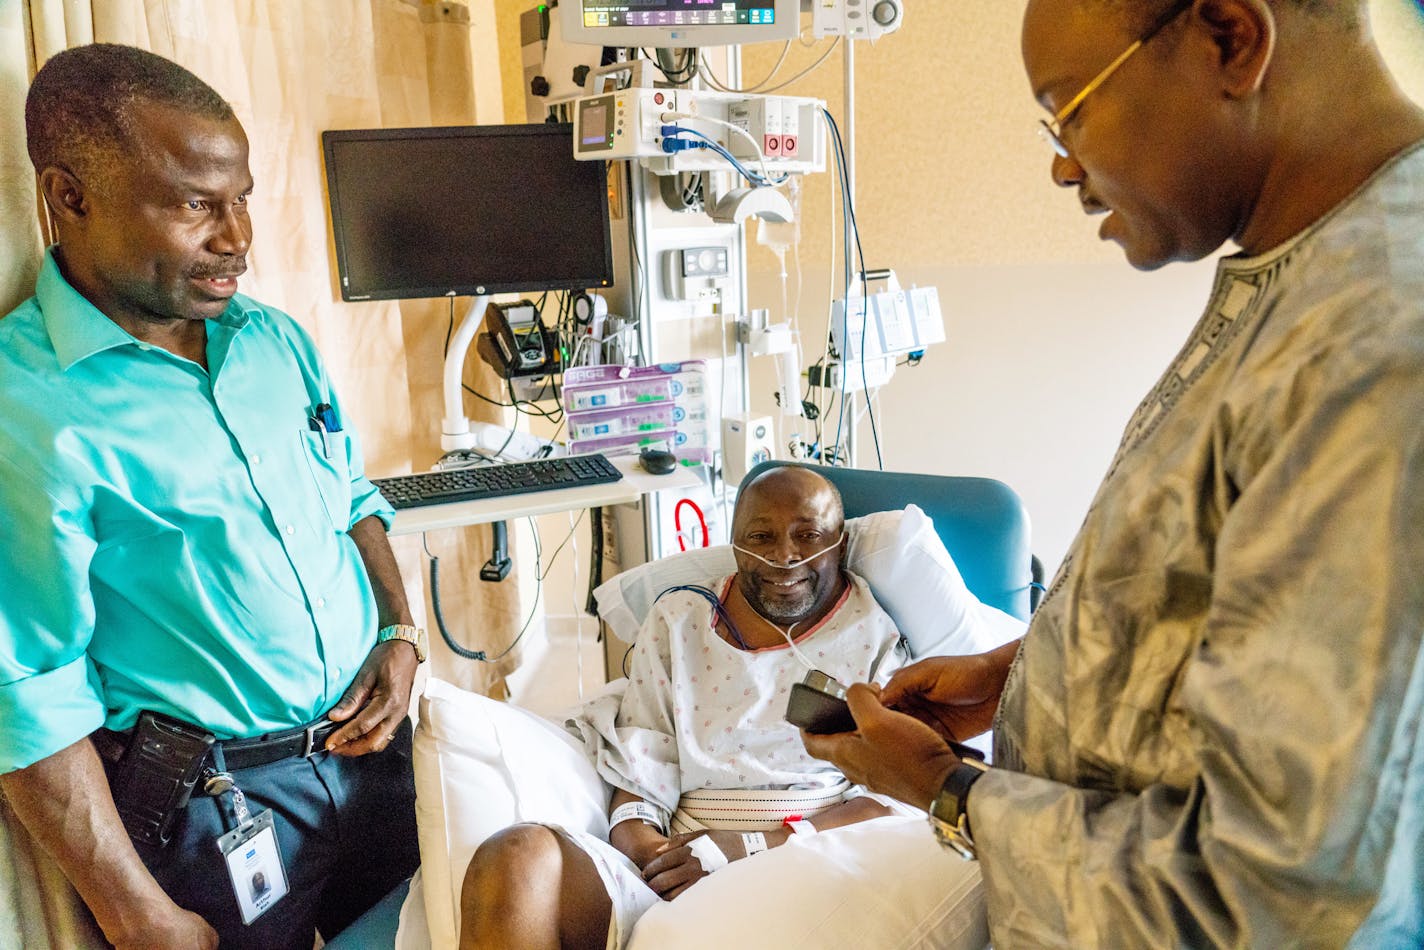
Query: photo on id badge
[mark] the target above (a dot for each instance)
(254, 864)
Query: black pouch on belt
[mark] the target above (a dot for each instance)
(153, 779)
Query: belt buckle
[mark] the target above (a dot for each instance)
(309, 746)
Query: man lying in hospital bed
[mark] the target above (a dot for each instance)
(706, 772)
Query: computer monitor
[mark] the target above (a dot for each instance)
(465, 211)
(679, 22)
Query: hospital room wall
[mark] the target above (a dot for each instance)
(1052, 337)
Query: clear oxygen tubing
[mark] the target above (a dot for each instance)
(794, 564)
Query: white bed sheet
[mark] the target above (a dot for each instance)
(481, 765)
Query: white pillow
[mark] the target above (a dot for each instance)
(480, 766)
(914, 579)
(881, 883)
(899, 555)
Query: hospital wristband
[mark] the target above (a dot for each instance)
(708, 855)
(644, 812)
(799, 825)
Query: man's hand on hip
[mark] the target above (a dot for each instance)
(376, 701)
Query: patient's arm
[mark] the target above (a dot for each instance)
(640, 841)
(837, 816)
(675, 869)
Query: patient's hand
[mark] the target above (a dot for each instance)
(676, 869)
(641, 842)
(954, 695)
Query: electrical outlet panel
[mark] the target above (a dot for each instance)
(628, 124)
(692, 272)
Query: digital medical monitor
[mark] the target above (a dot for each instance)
(483, 209)
(664, 23)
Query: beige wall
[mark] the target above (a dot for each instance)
(1052, 337)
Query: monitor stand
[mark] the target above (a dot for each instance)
(455, 434)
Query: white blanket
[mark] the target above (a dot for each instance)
(480, 764)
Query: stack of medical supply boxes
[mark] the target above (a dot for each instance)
(620, 410)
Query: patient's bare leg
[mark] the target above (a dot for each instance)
(530, 888)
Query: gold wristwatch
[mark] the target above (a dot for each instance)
(410, 634)
(949, 816)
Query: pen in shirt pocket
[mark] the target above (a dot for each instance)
(323, 419)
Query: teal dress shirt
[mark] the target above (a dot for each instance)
(175, 539)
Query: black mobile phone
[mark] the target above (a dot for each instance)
(156, 775)
(818, 705)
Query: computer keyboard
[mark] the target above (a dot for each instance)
(496, 481)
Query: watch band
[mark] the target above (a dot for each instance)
(413, 635)
(949, 813)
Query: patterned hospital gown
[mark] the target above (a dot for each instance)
(700, 713)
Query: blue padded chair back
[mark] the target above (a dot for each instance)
(982, 522)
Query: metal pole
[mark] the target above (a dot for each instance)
(848, 134)
(849, 124)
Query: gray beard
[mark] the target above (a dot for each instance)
(797, 611)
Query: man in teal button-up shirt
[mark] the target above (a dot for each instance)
(179, 538)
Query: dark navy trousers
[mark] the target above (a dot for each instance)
(346, 829)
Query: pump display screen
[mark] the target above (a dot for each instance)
(595, 118)
(601, 13)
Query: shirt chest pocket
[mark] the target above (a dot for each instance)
(328, 461)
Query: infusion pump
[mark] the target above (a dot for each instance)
(633, 123)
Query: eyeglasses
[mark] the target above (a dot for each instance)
(1052, 131)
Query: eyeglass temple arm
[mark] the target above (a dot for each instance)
(1077, 100)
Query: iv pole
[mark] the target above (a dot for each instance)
(847, 397)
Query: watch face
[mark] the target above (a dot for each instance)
(945, 808)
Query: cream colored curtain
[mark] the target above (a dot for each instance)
(291, 69)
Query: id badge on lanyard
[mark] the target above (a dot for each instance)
(253, 857)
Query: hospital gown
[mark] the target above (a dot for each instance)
(700, 713)
(1211, 733)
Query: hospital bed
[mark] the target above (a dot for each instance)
(983, 526)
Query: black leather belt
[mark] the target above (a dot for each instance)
(304, 741)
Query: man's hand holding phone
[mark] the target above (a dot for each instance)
(956, 696)
(902, 740)
(888, 752)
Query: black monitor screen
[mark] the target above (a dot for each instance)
(435, 212)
